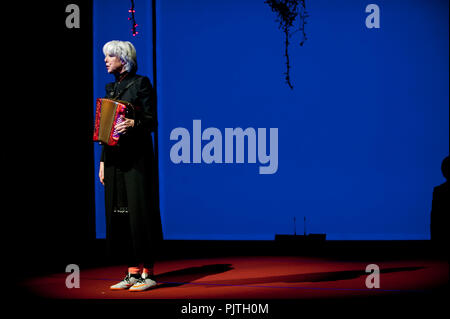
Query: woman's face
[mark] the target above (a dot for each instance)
(113, 64)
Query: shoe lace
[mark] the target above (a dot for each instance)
(127, 279)
(141, 280)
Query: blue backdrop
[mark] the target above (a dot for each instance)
(361, 136)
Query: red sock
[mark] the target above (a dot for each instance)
(133, 270)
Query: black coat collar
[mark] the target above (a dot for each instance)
(121, 76)
(117, 88)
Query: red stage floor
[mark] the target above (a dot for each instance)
(252, 278)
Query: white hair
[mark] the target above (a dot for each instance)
(125, 51)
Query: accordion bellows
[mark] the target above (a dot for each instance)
(108, 114)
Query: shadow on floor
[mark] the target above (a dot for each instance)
(180, 277)
(184, 276)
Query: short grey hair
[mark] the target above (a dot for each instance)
(125, 51)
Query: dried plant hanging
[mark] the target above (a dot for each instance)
(287, 11)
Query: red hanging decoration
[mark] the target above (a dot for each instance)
(132, 19)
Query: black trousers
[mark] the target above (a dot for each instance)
(134, 236)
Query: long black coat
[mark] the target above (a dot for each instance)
(134, 156)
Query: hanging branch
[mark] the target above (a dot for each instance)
(132, 19)
(287, 11)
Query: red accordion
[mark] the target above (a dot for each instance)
(108, 114)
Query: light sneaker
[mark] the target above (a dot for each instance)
(143, 283)
(126, 283)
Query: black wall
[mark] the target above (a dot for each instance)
(53, 194)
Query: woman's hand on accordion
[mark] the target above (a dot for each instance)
(101, 173)
(124, 126)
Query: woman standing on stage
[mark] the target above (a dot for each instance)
(128, 173)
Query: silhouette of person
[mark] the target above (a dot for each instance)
(440, 208)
